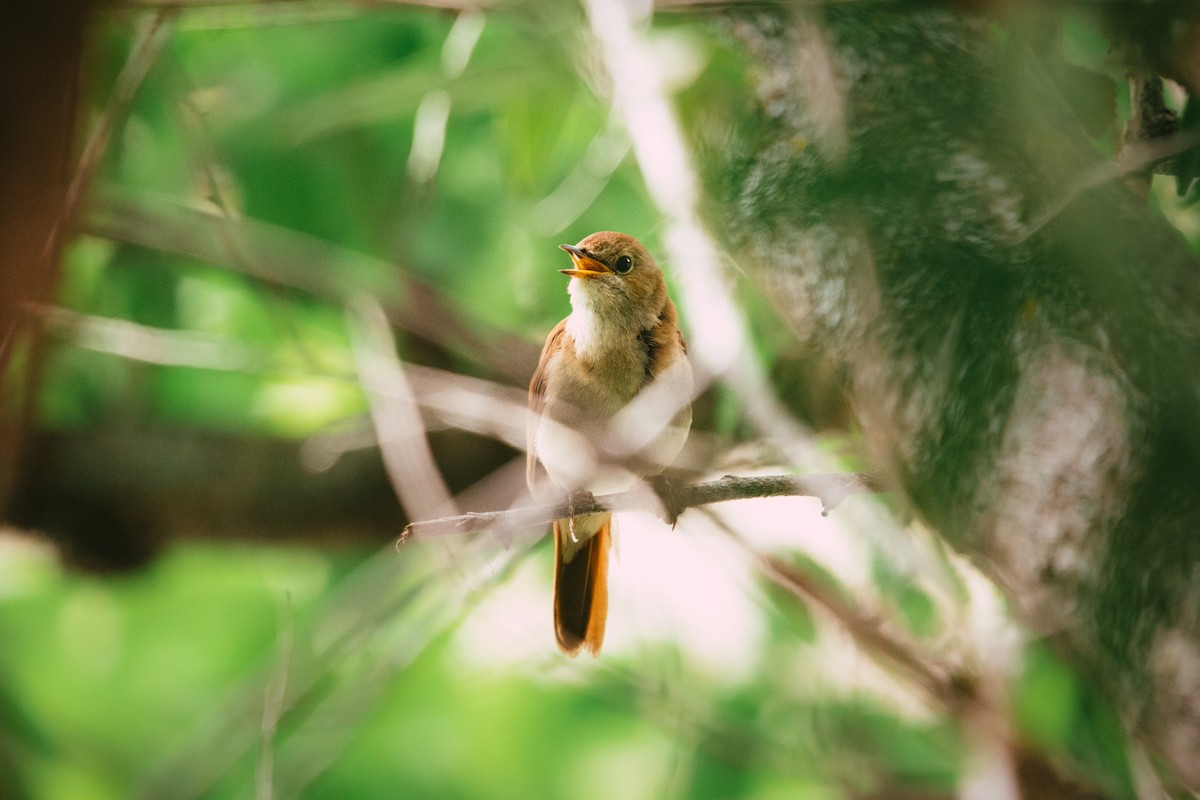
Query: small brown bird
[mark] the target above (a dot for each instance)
(621, 337)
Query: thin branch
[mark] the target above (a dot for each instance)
(274, 697)
(1135, 156)
(972, 696)
(151, 39)
(873, 632)
(294, 260)
(146, 48)
(831, 488)
(407, 456)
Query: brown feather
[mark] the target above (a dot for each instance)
(581, 590)
(537, 401)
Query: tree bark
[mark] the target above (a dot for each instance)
(111, 498)
(41, 52)
(1019, 345)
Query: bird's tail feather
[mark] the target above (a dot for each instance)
(581, 584)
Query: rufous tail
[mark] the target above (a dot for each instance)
(581, 584)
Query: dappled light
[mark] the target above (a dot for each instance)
(862, 464)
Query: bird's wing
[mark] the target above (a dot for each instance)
(537, 401)
(661, 340)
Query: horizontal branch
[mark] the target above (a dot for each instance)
(831, 488)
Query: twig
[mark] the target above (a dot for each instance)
(407, 456)
(974, 697)
(146, 48)
(274, 697)
(294, 260)
(831, 488)
(1134, 157)
(871, 631)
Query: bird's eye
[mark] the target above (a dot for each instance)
(623, 265)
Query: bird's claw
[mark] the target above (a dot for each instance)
(669, 499)
(577, 498)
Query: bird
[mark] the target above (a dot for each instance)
(586, 432)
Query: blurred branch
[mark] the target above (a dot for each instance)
(832, 489)
(398, 427)
(1134, 156)
(870, 630)
(371, 626)
(1006, 767)
(720, 345)
(450, 399)
(584, 183)
(294, 260)
(274, 696)
(639, 98)
(151, 38)
(147, 344)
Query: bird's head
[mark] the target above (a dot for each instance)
(615, 274)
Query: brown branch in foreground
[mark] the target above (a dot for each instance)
(972, 697)
(831, 488)
(949, 686)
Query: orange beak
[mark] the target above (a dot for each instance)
(585, 265)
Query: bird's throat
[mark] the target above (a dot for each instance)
(600, 325)
(592, 333)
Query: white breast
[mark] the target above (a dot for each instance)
(652, 424)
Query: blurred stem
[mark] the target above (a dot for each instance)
(1135, 156)
(151, 37)
(1003, 766)
(289, 259)
(398, 425)
(218, 180)
(274, 696)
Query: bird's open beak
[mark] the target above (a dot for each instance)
(585, 265)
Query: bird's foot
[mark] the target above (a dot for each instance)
(665, 490)
(580, 498)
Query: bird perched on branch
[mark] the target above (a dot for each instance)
(610, 404)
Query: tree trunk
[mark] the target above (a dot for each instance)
(41, 50)
(1020, 350)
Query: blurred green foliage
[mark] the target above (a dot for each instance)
(302, 116)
